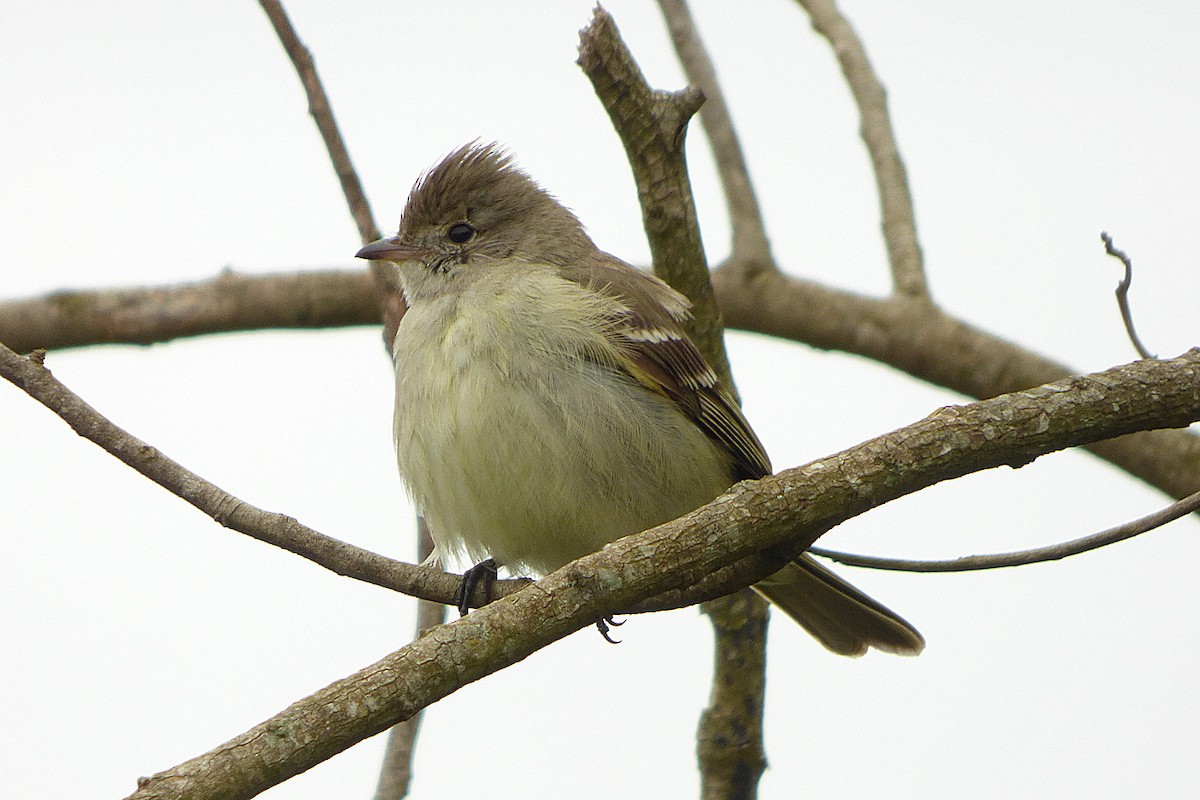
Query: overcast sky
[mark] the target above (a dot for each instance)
(154, 143)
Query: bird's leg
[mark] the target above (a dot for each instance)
(602, 626)
(483, 571)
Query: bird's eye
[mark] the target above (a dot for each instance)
(460, 232)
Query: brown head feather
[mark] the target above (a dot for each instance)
(479, 184)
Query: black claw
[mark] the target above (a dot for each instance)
(483, 571)
(602, 626)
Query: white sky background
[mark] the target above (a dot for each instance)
(152, 143)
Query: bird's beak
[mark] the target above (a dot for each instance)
(389, 249)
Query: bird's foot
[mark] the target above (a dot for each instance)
(484, 571)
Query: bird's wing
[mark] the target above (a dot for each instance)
(653, 349)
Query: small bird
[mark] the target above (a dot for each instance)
(548, 400)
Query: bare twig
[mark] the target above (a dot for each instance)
(1123, 294)
(275, 529)
(782, 513)
(895, 199)
(750, 245)
(284, 532)
(322, 114)
(388, 293)
(1021, 557)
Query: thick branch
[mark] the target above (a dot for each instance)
(895, 200)
(920, 339)
(652, 125)
(229, 302)
(729, 742)
(781, 514)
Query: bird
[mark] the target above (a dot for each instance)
(548, 400)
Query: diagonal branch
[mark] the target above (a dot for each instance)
(895, 200)
(750, 244)
(322, 114)
(925, 342)
(782, 514)
(284, 532)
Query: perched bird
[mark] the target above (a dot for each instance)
(548, 400)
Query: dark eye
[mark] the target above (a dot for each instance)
(460, 232)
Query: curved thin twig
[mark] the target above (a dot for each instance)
(1123, 294)
(1019, 558)
(895, 199)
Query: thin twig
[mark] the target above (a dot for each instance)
(1021, 557)
(276, 529)
(1123, 294)
(396, 773)
(750, 246)
(30, 375)
(322, 114)
(895, 199)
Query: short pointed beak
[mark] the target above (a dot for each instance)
(389, 249)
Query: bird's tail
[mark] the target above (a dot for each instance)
(839, 616)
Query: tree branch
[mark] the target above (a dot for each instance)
(229, 302)
(895, 200)
(750, 244)
(781, 514)
(1120, 533)
(395, 775)
(729, 742)
(322, 114)
(651, 125)
(927, 343)
(1123, 294)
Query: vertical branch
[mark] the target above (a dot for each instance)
(396, 774)
(750, 245)
(729, 740)
(651, 125)
(895, 200)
